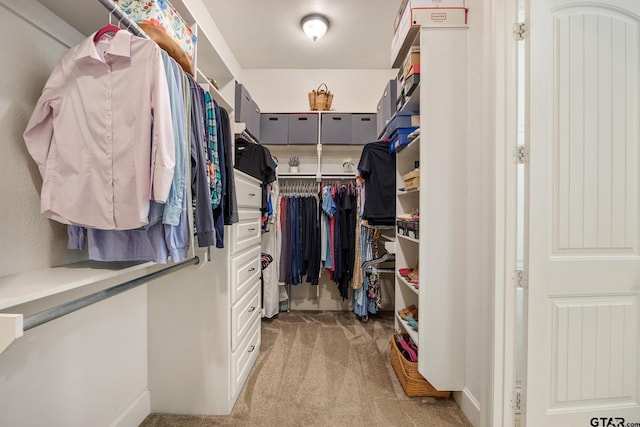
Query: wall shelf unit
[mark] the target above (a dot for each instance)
(317, 160)
(440, 197)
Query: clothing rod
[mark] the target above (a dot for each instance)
(53, 313)
(246, 135)
(123, 18)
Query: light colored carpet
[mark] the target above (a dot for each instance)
(325, 369)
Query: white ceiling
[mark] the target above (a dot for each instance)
(267, 33)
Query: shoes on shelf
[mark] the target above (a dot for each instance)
(412, 322)
(414, 272)
(408, 311)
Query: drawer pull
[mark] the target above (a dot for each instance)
(252, 229)
(252, 269)
(252, 194)
(253, 347)
(252, 309)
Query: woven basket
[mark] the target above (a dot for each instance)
(411, 380)
(320, 99)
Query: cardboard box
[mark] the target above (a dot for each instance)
(423, 3)
(428, 17)
(411, 180)
(413, 58)
(435, 13)
(410, 71)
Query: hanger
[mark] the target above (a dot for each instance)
(109, 28)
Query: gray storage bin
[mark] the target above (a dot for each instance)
(379, 120)
(388, 102)
(274, 128)
(243, 104)
(253, 121)
(247, 111)
(363, 128)
(335, 129)
(303, 128)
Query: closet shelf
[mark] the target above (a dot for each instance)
(26, 287)
(410, 239)
(379, 227)
(215, 93)
(409, 330)
(407, 284)
(407, 192)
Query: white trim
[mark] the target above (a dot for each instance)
(44, 20)
(136, 412)
(490, 131)
(505, 214)
(469, 405)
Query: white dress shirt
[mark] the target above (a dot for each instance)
(101, 134)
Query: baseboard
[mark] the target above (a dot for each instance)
(136, 412)
(469, 405)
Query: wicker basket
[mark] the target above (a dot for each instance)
(320, 100)
(411, 380)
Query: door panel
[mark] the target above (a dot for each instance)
(583, 182)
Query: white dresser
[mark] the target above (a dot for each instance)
(243, 271)
(204, 334)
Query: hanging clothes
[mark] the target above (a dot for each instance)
(378, 169)
(229, 199)
(86, 112)
(196, 124)
(271, 244)
(255, 160)
(300, 254)
(368, 299)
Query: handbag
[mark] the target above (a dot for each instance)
(320, 99)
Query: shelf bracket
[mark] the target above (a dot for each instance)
(10, 329)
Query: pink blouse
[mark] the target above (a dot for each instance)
(102, 136)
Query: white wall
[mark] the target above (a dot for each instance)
(88, 368)
(27, 240)
(280, 90)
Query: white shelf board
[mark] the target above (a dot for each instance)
(409, 192)
(25, 287)
(407, 284)
(409, 330)
(410, 239)
(215, 93)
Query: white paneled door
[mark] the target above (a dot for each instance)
(583, 240)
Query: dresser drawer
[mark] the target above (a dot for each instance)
(243, 359)
(243, 315)
(248, 191)
(246, 232)
(245, 270)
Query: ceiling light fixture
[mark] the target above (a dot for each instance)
(315, 26)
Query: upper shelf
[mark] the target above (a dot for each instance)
(90, 15)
